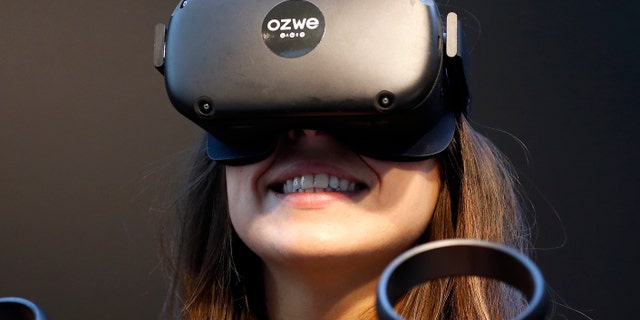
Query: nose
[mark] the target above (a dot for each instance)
(306, 140)
(296, 134)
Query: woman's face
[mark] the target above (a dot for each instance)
(351, 206)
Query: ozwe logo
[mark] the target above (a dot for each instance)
(293, 27)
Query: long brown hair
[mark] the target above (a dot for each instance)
(215, 276)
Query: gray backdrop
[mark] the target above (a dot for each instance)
(90, 147)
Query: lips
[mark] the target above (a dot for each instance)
(320, 182)
(309, 167)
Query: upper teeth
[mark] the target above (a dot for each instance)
(317, 183)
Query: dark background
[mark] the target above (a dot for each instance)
(90, 147)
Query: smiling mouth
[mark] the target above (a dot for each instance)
(320, 182)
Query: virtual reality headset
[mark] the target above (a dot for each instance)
(384, 77)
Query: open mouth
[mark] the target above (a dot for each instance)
(320, 182)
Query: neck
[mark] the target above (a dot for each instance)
(319, 293)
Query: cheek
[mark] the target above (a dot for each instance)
(413, 184)
(240, 192)
(234, 186)
(417, 202)
(409, 191)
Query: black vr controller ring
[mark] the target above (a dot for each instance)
(461, 257)
(14, 308)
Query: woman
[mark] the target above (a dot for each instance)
(301, 224)
(249, 247)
